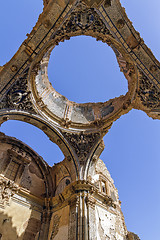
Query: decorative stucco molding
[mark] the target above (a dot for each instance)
(7, 190)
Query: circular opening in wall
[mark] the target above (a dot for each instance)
(84, 70)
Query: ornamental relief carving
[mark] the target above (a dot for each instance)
(81, 21)
(56, 221)
(148, 93)
(82, 143)
(20, 152)
(7, 190)
(68, 114)
(18, 97)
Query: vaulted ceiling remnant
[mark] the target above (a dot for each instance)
(25, 90)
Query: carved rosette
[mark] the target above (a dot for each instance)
(18, 97)
(82, 143)
(7, 190)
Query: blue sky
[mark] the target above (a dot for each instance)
(132, 144)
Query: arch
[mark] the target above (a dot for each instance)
(51, 131)
(149, 67)
(26, 52)
(92, 159)
(19, 149)
(129, 41)
(35, 138)
(58, 107)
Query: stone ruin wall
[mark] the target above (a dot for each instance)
(33, 206)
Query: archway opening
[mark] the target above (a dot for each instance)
(34, 138)
(84, 70)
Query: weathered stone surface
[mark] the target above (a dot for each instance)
(148, 93)
(82, 143)
(75, 207)
(7, 190)
(18, 97)
(77, 198)
(59, 224)
(132, 236)
(83, 20)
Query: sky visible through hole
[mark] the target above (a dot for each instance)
(89, 67)
(35, 138)
(132, 144)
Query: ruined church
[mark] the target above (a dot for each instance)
(75, 199)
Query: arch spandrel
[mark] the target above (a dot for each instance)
(54, 134)
(40, 34)
(30, 161)
(130, 39)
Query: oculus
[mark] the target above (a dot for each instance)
(82, 21)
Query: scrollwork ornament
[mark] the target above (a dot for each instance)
(82, 143)
(56, 221)
(82, 20)
(7, 190)
(148, 93)
(18, 97)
